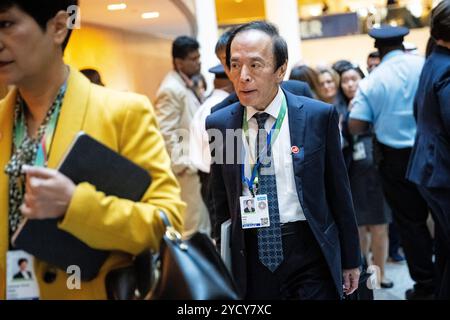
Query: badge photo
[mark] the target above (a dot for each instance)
(20, 277)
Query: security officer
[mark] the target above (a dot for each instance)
(385, 99)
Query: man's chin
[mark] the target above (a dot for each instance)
(246, 101)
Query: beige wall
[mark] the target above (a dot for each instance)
(127, 61)
(354, 48)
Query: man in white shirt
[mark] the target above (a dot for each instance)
(283, 152)
(199, 152)
(199, 143)
(175, 106)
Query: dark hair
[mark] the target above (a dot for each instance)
(223, 40)
(308, 75)
(440, 21)
(41, 11)
(183, 46)
(431, 45)
(373, 55)
(280, 49)
(93, 75)
(340, 65)
(22, 260)
(351, 66)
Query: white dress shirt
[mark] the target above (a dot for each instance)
(25, 275)
(288, 202)
(199, 152)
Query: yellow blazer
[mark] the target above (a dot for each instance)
(126, 123)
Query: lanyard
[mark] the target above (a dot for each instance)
(271, 138)
(45, 142)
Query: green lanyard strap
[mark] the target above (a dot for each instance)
(271, 138)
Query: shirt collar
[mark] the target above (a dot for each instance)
(272, 109)
(392, 54)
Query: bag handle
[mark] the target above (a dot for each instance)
(171, 233)
(165, 219)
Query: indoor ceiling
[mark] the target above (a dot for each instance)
(170, 23)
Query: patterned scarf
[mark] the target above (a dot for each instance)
(25, 152)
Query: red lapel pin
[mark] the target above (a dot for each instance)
(295, 149)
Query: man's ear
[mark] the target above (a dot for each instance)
(58, 27)
(281, 72)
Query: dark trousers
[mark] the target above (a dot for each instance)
(410, 212)
(439, 202)
(303, 274)
(394, 238)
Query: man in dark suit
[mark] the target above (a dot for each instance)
(429, 165)
(298, 88)
(311, 248)
(23, 273)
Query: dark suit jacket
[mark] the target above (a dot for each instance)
(247, 210)
(429, 163)
(299, 88)
(19, 275)
(320, 176)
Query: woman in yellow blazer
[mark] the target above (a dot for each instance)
(31, 59)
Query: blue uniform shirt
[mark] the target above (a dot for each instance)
(385, 98)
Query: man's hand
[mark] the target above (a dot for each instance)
(351, 279)
(48, 193)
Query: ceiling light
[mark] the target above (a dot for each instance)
(238, 1)
(315, 10)
(416, 9)
(150, 15)
(117, 6)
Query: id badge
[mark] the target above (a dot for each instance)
(254, 211)
(21, 283)
(359, 151)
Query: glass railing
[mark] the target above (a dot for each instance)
(362, 20)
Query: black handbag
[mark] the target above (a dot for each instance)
(190, 269)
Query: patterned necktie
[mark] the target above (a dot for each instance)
(270, 246)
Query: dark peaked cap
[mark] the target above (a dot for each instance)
(388, 36)
(219, 71)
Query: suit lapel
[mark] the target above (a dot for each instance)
(297, 125)
(297, 121)
(72, 116)
(234, 122)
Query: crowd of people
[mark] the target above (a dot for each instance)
(334, 167)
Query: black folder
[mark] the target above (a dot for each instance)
(86, 161)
